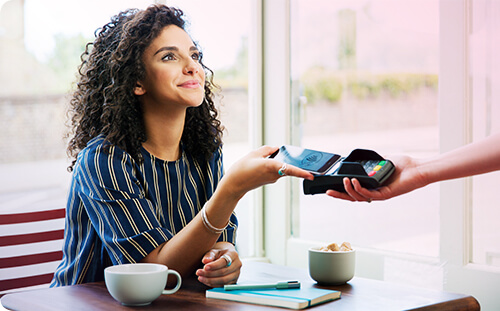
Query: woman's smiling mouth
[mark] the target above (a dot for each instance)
(191, 84)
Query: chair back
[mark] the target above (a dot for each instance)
(30, 248)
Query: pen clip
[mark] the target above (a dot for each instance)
(288, 284)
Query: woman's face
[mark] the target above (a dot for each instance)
(174, 75)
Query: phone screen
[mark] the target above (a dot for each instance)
(318, 162)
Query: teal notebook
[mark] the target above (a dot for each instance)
(299, 298)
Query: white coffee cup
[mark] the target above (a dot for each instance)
(139, 284)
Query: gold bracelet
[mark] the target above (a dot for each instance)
(208, 225)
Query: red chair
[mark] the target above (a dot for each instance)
(30, 248)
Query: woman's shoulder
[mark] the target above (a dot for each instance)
(102, 164)
(96, 142)
(216, 154)
(215, 160)
(99, 149)
(218, 151)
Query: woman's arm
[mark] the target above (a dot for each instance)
(473, 159)
(184, 250)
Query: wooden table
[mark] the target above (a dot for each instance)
(358, 294)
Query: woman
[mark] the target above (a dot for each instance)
(147, 181)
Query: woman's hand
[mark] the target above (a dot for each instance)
(217, 270)
(406, 177)
(255, 170)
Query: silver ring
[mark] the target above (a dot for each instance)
(281, 171)
(228, 259)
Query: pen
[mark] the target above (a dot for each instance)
(279, 285)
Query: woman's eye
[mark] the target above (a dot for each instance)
(169, 56)
(196, 56)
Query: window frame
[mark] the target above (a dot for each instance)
(463, 276)
(276, 122)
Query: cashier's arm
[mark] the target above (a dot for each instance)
(473, 159)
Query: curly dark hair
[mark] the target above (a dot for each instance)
(104, 102)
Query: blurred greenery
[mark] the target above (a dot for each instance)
(328, 88)
(65, 59)
(332, 86)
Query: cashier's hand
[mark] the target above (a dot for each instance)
(406, 177)
(222, 266)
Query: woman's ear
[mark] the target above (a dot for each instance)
(139, 89)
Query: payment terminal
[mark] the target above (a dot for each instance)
(367, 166)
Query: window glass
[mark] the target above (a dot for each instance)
(40, 47)
(365, 75)
(485, 118)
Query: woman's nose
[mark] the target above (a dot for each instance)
(191, 67)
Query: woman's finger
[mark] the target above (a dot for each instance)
(220, 281)
(284, 169)
(210, 256)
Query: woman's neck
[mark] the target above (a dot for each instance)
(164, 135)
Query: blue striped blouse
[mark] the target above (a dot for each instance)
(118, 210)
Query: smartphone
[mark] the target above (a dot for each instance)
(316, 162)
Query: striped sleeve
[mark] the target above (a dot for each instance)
(113, 198)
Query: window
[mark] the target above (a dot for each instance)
(365, 77)
(457, 225)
